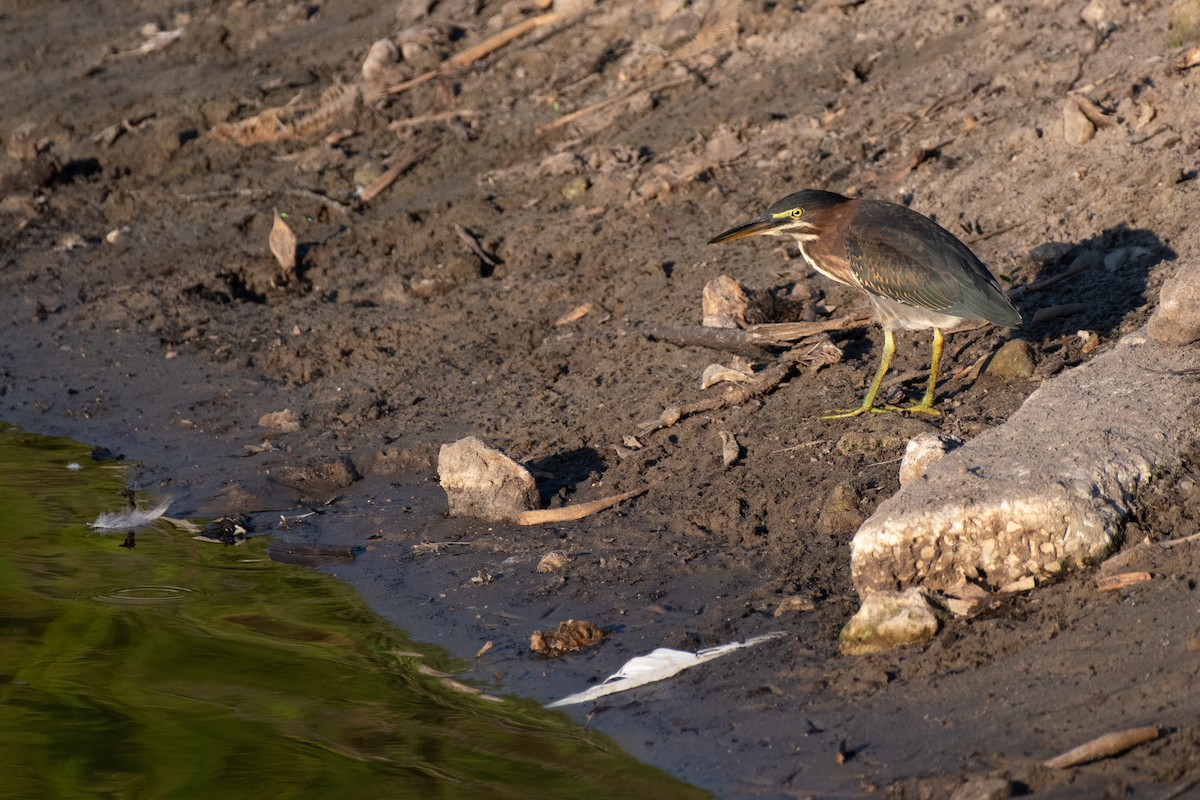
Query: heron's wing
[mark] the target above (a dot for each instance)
(903, 256)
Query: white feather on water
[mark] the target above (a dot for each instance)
(656, 666)
(131, 518)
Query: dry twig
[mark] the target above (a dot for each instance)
(372, 190)
(567, 119)
(1110, 744)
(542, 516)
(1110, 583)
(812, 354)
(1054, 312)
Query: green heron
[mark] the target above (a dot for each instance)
(916, 273)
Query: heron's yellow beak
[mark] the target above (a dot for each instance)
(765, 224)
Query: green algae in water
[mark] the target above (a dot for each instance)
(179, 670)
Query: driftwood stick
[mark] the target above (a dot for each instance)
(728, 340)
(778, 332)
(567, 513)
(1081, 265)
(1054, 312)
(1110, 744)
(385, 180)
(567, 119)
(816, 353)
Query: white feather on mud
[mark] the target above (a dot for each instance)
(131, 518)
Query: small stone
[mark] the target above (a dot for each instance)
(984, 789)
(1077, 128)
(382, 54)
(1050, 253)
(728, 304)
(554, 561)
(284, 421)
(841, 513)
(888, 620)
(575, 188)
(1013, 361)
(1176, 321)
(922, 452)
(481, 481)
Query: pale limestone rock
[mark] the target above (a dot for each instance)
(481, 481)
(922, 452)
(1047, 491)
(1176, 321)
(888, 620)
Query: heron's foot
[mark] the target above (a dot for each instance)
(917, 408)
(843, 413)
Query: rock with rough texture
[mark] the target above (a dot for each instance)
(728, 304)
(1077, 128)
(922, 452)
(840, 514)
(1046, 491)
(1013, 361)
(888, 620)
(481, 481)
(1176, 321)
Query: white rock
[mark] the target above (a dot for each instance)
(1176, 321)
(481, 481)
(922, 452)
(888, 620)
(1064, 470)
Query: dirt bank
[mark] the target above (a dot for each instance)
(147, 315)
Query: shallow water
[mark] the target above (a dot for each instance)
(182, 669)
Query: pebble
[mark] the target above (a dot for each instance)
(1013, 361)
(984, 789)
(841, 513)
(1050, 253)
(1077, 128)
(922, 452)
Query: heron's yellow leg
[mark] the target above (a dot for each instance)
(926, 404)
(868, 403)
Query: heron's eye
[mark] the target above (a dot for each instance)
(797, 213)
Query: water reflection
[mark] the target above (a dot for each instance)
(176, 669)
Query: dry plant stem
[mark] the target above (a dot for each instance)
(1111, 583)
(728, 340)
(567, 119)
(1110, 744)
(479, 51)
(567, 513)
(489, 46)
(473, 245)
(1195, 537)
(1054, 312)
(763, 383)
(385, 180)
(780, 332)
(427, 119)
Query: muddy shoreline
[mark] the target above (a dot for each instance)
(510, 277)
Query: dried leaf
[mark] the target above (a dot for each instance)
(283, 246)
